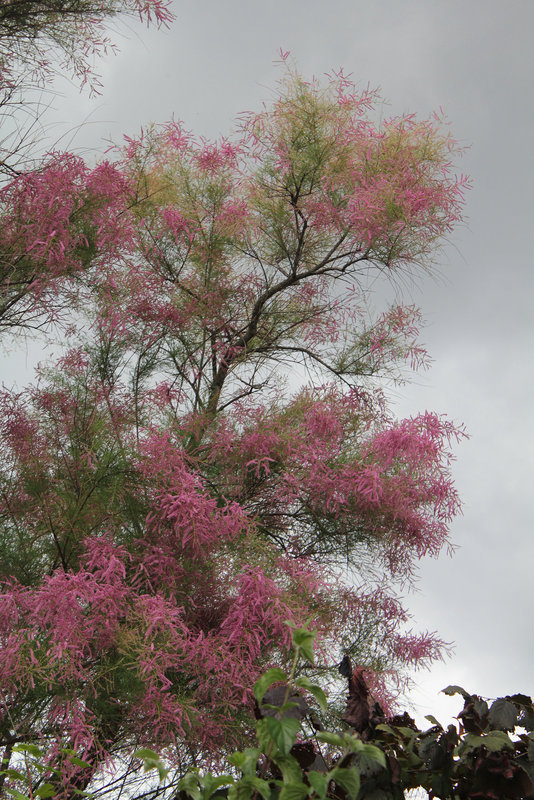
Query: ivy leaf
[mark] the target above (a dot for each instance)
(283, 732)
(313, 689)
(348, 779)
(264, 681)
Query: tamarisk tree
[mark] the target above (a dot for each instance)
(212, 456)
(41, 40)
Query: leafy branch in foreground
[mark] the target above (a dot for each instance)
(488, 755)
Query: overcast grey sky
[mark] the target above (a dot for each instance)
(475, 59)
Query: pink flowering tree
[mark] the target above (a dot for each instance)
(212, 456)
(45, 244)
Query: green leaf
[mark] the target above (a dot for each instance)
(497, 740)
(303, 640)
(235, 792)
(246, 760)
(32, 749)
(370, 760)
(450, 690)
(330, 738)
(503, 714)
(263, 736)
(289, 767)
(387, 729)
(269, 677)
(318, 782)
(189, 785)
(151, 760)
(373, 753)
(15, 793)
(481, 707)
(246, 787)
(315, 690)
(352, 743)
(144, 753)
(14, 774)
(259, 785)
(46, 790)
(433, 720)
(79, 762)
(348, 779)
(283, 732)
(211, 784)
(294, 791)
(441, 785)
(492, 741)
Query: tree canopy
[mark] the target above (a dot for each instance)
(212, 456)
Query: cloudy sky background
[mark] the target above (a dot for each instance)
(475, 59)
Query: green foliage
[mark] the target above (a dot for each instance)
(267, 679)
(35, 774)
(282, 766)
(479, 759)
(151, 760)
(476, 760)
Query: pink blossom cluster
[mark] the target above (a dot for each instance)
(322, 456)
(56, 223)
